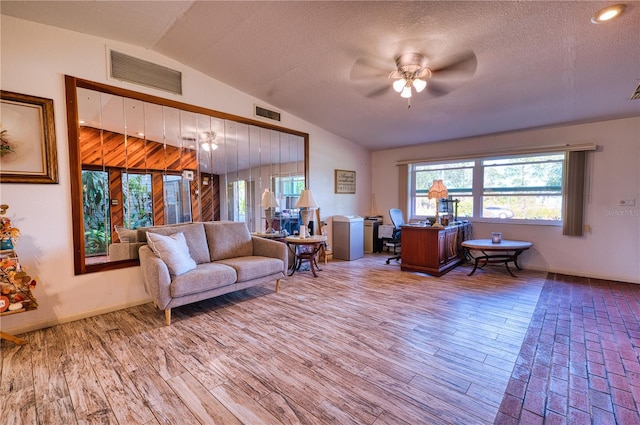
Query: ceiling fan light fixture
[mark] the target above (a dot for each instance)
(608, 13)
(398, 85)
(419, 85)
(406, 92)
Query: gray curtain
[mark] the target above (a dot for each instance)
(403, 189)
(573, 190)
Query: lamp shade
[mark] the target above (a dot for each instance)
(306, 200)
(437, 190)
(419, 84)
(398, 85)
(269, 199)
(406, 92)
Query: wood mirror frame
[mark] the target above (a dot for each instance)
(72, 84)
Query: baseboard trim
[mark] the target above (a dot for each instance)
(586, 275)
(59, 321)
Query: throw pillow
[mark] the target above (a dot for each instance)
(173, 251)
(126, 235)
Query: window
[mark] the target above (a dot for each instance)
(137, 200)
(95, 192)
(457, 177)
(527, 188)
(177, 199)
(289, 187)
(512, 188)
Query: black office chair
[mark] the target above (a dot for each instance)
(397, 218)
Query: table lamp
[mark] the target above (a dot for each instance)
(269, 203)
(307, 204)
(438, 191)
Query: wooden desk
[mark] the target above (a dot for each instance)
(504, 252)
(430, 249)
(305, 249)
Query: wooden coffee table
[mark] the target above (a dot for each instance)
(504, 252)
(305, 249)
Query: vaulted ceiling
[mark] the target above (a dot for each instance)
(538, 63)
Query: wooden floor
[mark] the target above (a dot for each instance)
(364, 343)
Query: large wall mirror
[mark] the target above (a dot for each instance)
(139, 160)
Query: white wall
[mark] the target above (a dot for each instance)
(34, 60)
(610, 251)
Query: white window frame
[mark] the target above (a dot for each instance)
(478, 189)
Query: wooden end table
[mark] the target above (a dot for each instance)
(305, 249)
(504, 252)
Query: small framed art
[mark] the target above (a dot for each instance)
(345, 181)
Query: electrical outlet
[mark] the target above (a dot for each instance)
(627, 203)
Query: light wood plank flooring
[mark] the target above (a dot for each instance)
(364, 343)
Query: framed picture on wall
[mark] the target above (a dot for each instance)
(27, 139)
(345, 181)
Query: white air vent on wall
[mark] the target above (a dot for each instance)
(138, 71)
(259, 111)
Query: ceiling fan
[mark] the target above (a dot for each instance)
(415, 72)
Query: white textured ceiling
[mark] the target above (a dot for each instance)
(539, 63)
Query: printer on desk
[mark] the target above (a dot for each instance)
(372, 241)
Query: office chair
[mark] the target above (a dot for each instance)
(397, 219)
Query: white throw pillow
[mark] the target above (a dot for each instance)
(173, 250)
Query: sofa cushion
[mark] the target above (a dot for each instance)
(205, 277)
(254, 267)
(173, 251)
(126, 235)
(228, 239)
(195, 236)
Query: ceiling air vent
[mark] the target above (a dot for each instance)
(266, 113)
(636, 93)
(138, 71)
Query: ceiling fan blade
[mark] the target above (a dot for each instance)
(379, 91)
(463, 65)
(369, 69)
(437, 89)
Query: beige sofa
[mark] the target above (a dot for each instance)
(196, 261)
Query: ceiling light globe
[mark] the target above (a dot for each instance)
(398, 85)
(406, 92)
(205, 146)
(608, 13)
(419, 84)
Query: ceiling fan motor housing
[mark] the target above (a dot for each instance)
(410, 66)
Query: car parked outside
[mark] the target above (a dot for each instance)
(497, 212)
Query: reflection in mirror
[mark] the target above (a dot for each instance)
(145, 161)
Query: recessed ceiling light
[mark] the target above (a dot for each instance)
(608, 13)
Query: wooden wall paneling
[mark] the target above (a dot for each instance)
(188, 159)
(115, 194)
(108, 148)
(206, 197)
(215, 196)
(137, 153)
(157, 193)
(194, 189)
(101, 147)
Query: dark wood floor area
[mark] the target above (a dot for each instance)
(362, 344)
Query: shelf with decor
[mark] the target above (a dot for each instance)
(16, 285)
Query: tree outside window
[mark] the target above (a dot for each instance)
(95, 188)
